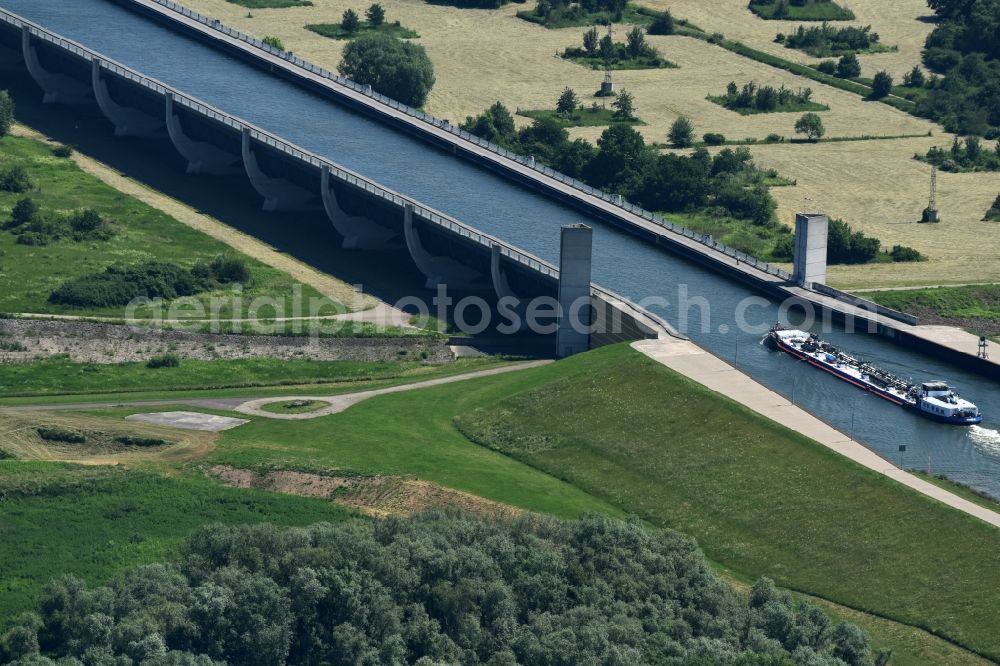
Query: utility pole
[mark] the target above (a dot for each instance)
(983, 343)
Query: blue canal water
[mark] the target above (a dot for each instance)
(526, 219)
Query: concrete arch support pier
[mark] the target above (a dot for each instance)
(201, 156)
(438, 270)
(505, 295)
(358, 232)
(127, 121)
(278, 193)
(57, 88)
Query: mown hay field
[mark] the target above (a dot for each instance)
(481, 56)
(898, 23)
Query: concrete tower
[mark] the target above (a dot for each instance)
(810, 248)
(573, 334)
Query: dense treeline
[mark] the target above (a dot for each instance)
(119, 285)
(965, 47)
(432, 590)
(622, 163)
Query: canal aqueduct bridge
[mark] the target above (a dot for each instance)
(368, 215)
(288, 178)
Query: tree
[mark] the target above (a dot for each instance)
(375, 14)
(567, 102)
(6, 113)
(681, 133)
(811, 125)
(881, 85)
(914, 78)
(663, 24)
(590, 40)
(606, 47)
(848, 67)
(350, 22)
(395, 68)
(635, 42)
(624, 105)
(24, 211)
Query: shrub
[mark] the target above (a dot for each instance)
(827, 67)
(54, 434)
(713, 139)
(25, 211)
(118, 285)
(904, 253)
(63, 150)
(400, 70)
(663, 24)
(881, 85)
(168, 360)
(274, 42)
(848, 67)
(224, 269)
(14, 179)
(773, 138)
(6, 113)
(131, 440)
(681, 133)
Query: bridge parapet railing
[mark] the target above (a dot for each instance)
(865, 304)
(574, 183)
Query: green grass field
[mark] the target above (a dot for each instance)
(760, 499)
(811, 10)
(582, 117)
(975, 307)
(59, 376)
(95, 522)
(336, 30)
(30, 273)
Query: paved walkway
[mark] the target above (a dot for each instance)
(695, 363)
(338, 403)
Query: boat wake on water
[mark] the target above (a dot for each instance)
(987, 440)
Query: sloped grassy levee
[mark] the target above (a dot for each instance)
(975, 307)
(94, 522)
(760, 499)
(136, 234)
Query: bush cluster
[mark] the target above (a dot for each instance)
(844, 245)
(967, 155)
(168, 360)
(132, 440)
(33, 226)
(560, 11)
(433, 589)
(53, 434)
(119, 285)
(635, 49)
(6, 113)
(764, 98)
(15, 179)
(825, 40)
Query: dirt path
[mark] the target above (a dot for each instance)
(328, 286)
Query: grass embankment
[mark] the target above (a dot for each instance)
(760, 499)
(811, 10)
(974, 307)
(55, 377)
(141, 234)
(960, 489)
(337, 31)
(95, 522)
(583, 117)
